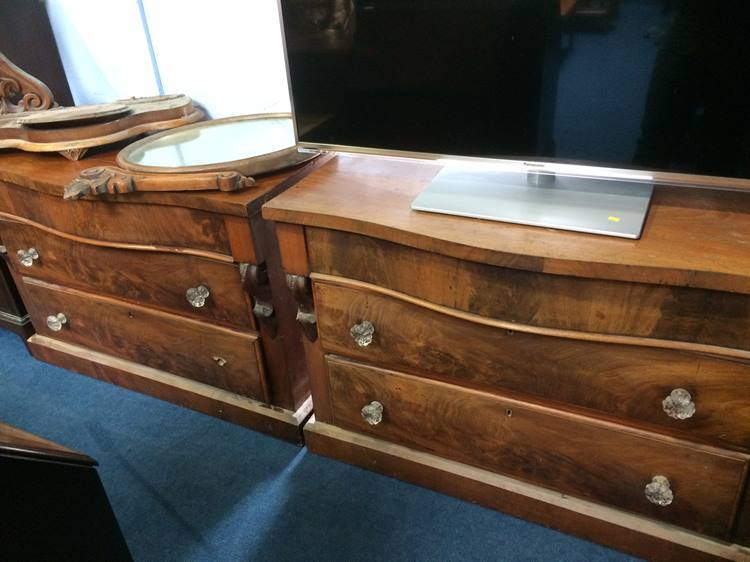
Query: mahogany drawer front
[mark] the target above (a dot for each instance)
(569, 453)
(157, 279)
(217, 356)
(630, 382)
(132, 223)
(534, 298)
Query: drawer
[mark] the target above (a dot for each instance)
(217, 356)
(155, 279)
(130, 223)
(536, 298)
(630, 382)
(571, 454)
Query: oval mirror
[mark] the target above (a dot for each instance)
(251, 144)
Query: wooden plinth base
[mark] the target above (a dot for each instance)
(629, 533)
(228, 406)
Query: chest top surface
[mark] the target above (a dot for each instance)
(50, 173)
(692, 237)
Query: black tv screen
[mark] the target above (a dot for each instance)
(645, 84)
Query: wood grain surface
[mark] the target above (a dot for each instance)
(625, 381)
(154, 225)
(572, 454)
(220, 357)
(692, 237)
(50, 173)
(138, 253)
(537, 299)
(155, 279)
(282, 341)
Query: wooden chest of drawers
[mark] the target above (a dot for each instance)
(177, 295)
(596, 385)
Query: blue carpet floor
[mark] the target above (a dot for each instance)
(185, 486)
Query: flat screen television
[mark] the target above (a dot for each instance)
(575, 91)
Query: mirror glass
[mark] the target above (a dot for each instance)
(214, 142)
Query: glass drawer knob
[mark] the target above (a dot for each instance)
(373, 413)
(362, 333)
(679, 404)
(197, 296)
(658, 491)
(55, 322)
(27, 257)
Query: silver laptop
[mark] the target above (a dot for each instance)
(598, 206)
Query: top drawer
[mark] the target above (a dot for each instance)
(535, 298)
(156, 279)
(125, 222)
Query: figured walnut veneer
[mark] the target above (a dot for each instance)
(592, 384)
(157, 279)
(626, 381)
(564, 302)
(569, 453)
(111, 284)
(220, 357)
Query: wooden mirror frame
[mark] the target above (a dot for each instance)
(247, 166)
(127, 177)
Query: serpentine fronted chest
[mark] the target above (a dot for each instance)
(597, 385)
(176, 295)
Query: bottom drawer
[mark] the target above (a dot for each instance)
(570, 453)
(217, 356)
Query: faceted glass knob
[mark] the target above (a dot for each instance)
(679, 404)
(55, 322)
(363, 333)
(197, 296)
(658, 491)
(27, 257)
(373, 413)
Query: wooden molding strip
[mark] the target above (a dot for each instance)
(656, 529)
(536, 330)
(118, 245)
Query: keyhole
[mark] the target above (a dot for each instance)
(509, 412)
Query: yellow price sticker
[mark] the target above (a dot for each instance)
(612, 218)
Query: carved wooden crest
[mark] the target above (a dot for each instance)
(20, 91)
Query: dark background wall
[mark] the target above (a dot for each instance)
(26, 39)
